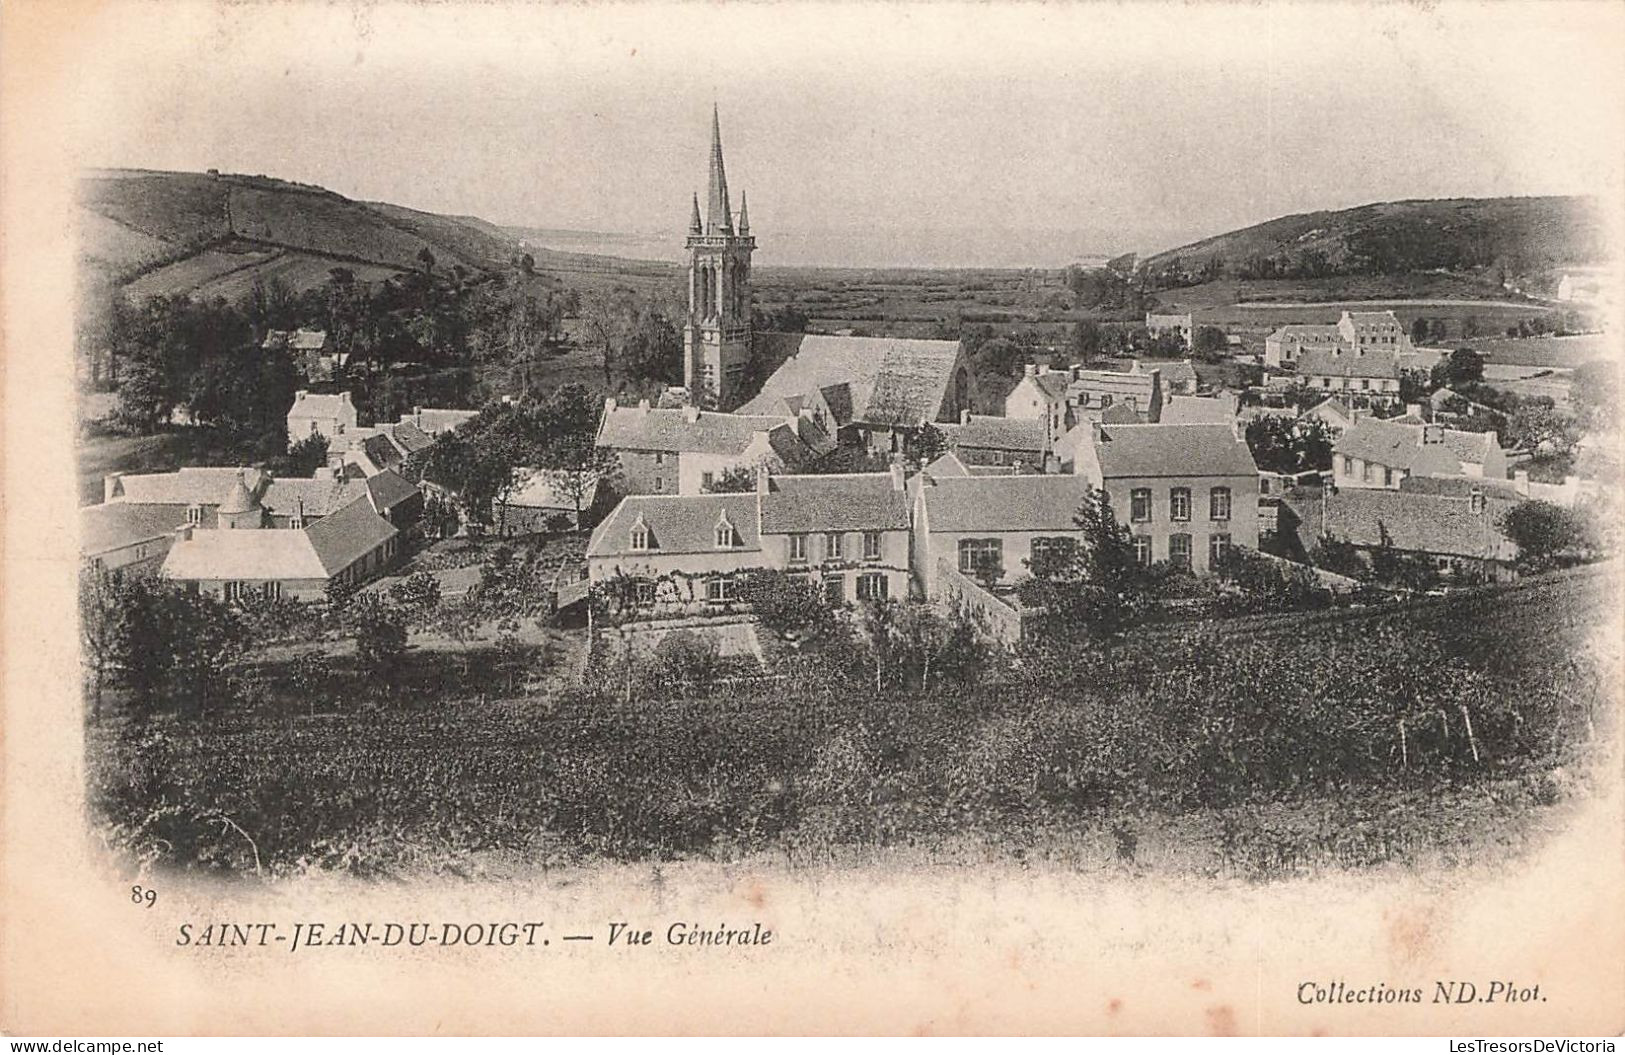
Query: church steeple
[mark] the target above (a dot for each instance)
(744, 214)
(718, 212)
(694, 218)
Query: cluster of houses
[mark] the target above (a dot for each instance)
(719, 481)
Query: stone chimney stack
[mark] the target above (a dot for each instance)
(964, 416)
(762, 481)
(691, 413)
(897, 476)
(112, 486)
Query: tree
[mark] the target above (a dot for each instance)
(577, 466)
(380, 636)
(1209, 341)
(1543, 531)
(736, 479)
(1538, 425)
(1594, 389)
(928, 444)
(307, 455)
(1093, 588)
(786, 604)
(1464, 366)
(426, 258)
(689, 658)
(100, 604)
(418, 593)
(1419, 330)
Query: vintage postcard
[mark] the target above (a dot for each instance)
(782, 518)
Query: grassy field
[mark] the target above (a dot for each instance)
(1279, 748)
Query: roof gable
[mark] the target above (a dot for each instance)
(1172, 450)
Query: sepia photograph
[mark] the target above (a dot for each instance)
(1103, 491)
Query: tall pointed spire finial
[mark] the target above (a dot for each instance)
(744, 213)
(718, 213)
(694, 217)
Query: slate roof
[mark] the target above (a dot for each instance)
(261, 555)
(410, 438)
(320, 405)
(1400, 447)
(1198, 410)
(834, 502)
(1053, 382)
(436, 419)
(999, 433)
(1306, 329)
(389, 489)
(889, 380)
(114, 525)
(1460, 486)
(381, 451)
(1173, 450)
(539, 489)
(1377, 363)
(194, 485)
(649, 429)
(340, 539)
(1043, 502)
(300, 340)
(1177, 371)
(1436, 524)
(677, 524)
(1119, 414)
(321, 494)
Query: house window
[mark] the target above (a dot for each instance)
(832, 546)
(660, 458)
(1142, 550)
(272, 591)
(1051, 550)
(1140, 504)
(719, 590)
(235, 591)
(194, 515)
(1387, 477)
(835, 589)
(1348, 465)
(798, 549)
(1105, 400)
(1179, 550)
(726, 536)
(1179, 503)
(643, 592)
(981, 557)
(640, 536)
(1218, 547)
(707, 479)
(872, 587)
(660, 484)
(1219, 503)
(871, 545)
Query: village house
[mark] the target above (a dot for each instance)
(1178, 377)
(1460, 534)
(980, 439)
(245, 557)
(132, 528)
(1369, 378)
(314, 414)
(685, 451)
(847, 533)
(1332, 412)
(1358, 332)
(1170, 325)
(987, 528)
(1067, 398)
(1188, 493)
(544, 500)
(1373, 453)
(311, 350)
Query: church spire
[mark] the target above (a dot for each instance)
(718, 214)
(694, 217)
(744, 213)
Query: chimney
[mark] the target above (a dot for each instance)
(1031, 369)
(299, 395)
(1520, 481)
(1477, 502)
(183, 533)
(609, 404)
(897, 478)
(964, 416)
(691, 412)
(112, 486)
(338, 471)
(1052, 464)
(344, 397)
(762, 480)
(1413, 409)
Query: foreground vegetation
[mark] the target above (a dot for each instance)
(1264, 750)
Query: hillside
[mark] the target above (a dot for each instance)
(215, 234)
(1519, 240)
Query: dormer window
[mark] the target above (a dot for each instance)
(641, 539)
(727, 537)
(194, 515)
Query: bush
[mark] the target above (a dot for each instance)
(785, 604)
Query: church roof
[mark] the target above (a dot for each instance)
(888, 380)
(718, 212)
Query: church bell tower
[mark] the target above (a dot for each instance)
(716, 335)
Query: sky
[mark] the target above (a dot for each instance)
(962, 133)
